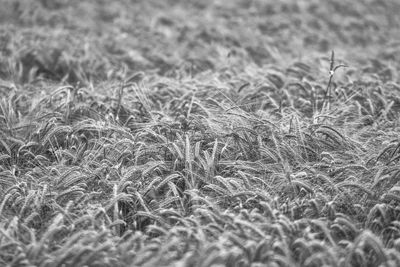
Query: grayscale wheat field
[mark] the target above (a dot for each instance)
(199, 133)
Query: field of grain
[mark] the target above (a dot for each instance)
(199, 133)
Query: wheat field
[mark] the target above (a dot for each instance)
(199, 133)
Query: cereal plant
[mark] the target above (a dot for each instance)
(199, 133)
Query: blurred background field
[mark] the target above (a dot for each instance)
(99, 40)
